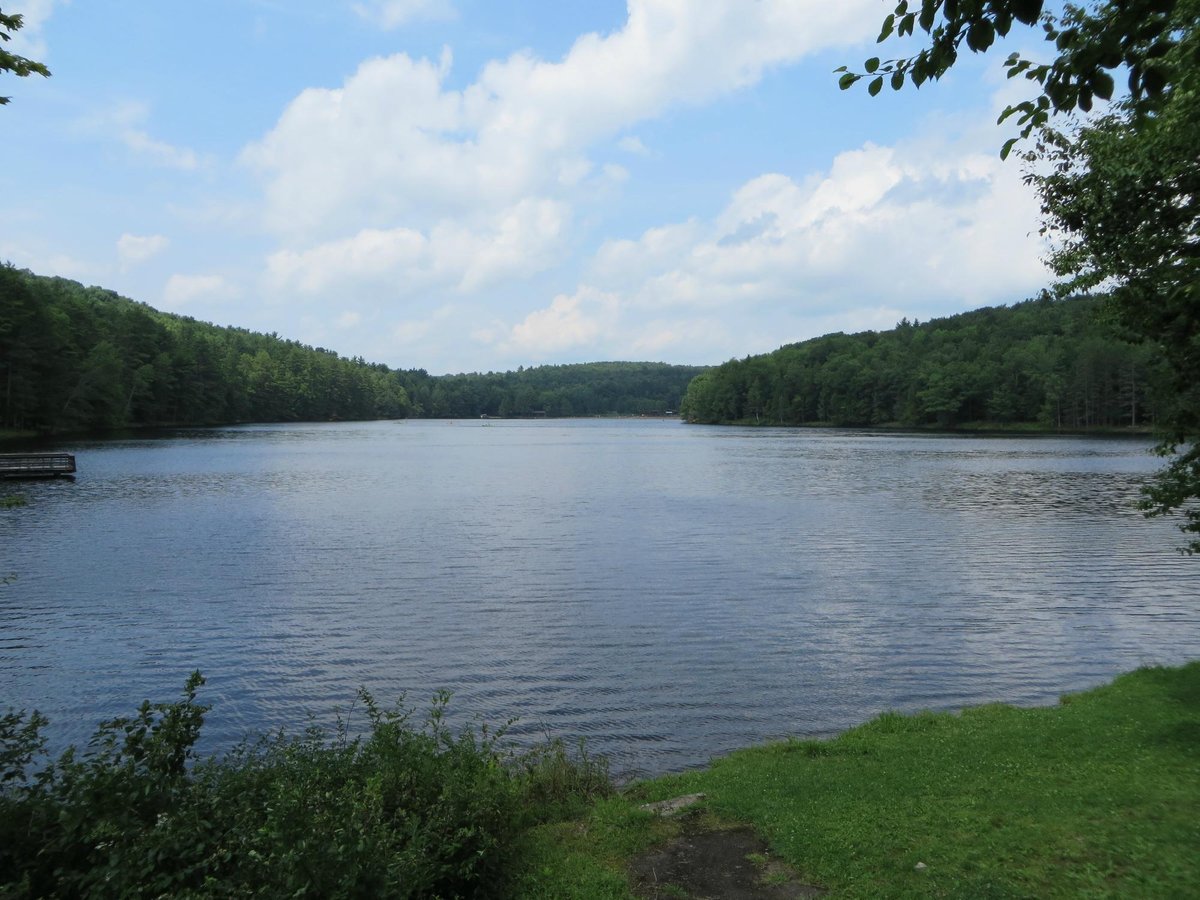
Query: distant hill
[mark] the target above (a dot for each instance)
(583, 389)
(75, 358)
(1047, 364)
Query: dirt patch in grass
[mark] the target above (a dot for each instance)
(709, 861)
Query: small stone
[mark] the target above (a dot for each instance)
(920, 867)
(674, 805)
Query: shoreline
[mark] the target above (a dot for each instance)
(1094, 795)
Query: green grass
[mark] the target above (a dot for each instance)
(1098, 796)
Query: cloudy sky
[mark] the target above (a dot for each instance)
(472, 185)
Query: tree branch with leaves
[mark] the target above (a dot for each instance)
(1089, 43)
(20, 66)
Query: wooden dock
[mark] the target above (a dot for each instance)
(36, 465)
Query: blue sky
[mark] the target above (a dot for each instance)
(466, 185)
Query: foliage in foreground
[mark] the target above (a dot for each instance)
(1095, 797)
(20, 66)
(1089, 43)
(407, 810)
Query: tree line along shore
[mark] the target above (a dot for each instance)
(84, 359)
(1042, 364)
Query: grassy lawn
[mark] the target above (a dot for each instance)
(1098, 796)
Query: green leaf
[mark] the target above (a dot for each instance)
(875, 86)
(846, 80)
(1012, 110)
(980, 36)
(1160, 48)
(1007, 148)
(1154, 80)
(897, 80)
(928, 8)
(871, 64)
(1026, 11)
(1102, 85)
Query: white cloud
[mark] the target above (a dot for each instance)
(466, 255)
(410, 332)
(29, 41)
(125, 122)
(390, 14)
(403, 192)
(684, 335)
(893, 226)
(182, 290)
(160, 153)
(46, 260)
(134, 249)
(633, 144)
(394, 146)
(400, 188)
(929, 227)
(615, 173)
(568, 322)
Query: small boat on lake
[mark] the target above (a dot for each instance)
(36, 465)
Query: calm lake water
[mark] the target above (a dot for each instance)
(667, 592)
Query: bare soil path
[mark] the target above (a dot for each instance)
(711, 861)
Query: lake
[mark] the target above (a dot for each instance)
(667, 592)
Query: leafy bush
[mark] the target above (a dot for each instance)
(405, 810)
(556, 785)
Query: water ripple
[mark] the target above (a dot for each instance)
(668, 593)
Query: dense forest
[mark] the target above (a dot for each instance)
(583, 389)
(1056, 364)
(75, 358)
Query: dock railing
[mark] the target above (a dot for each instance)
(36, 465)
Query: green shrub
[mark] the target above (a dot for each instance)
(556, 785)
(405, 810)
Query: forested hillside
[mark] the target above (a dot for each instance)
(1052, 363)
(75, 358)
(583, 389)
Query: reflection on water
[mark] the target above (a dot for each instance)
(668, 592)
